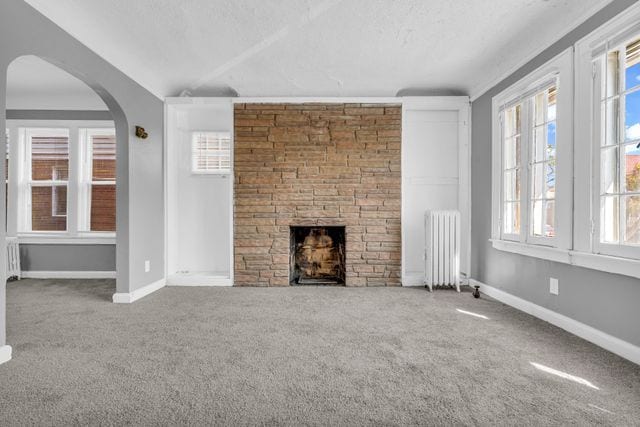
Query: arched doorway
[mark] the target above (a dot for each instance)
(60, 173)
(60, 127)
(139, 163)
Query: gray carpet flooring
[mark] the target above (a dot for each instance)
(298, 356)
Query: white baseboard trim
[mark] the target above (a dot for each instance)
(5, 354)
(608, 342)
(129, 297)
(198, 280)
(68, 274)
(413, 280)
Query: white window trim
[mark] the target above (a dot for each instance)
(587, 180)
(583, 252)
(535, 251)
(609, 264)
(86, 179)
(607, 249)
(54, 238)
(26, 182)
(560, 69)
(18, 217)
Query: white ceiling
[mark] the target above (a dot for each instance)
(317, 47)
(34, 84)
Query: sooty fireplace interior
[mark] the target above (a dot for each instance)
(317, 255)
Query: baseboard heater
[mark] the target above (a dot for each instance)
(442, 249)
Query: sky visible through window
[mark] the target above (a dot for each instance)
(632, 110)
(551, 153)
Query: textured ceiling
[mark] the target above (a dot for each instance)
(314, 47)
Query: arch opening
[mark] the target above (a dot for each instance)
(66, 153)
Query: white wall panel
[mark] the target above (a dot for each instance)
(434, 162)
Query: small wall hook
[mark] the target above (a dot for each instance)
(141, 133)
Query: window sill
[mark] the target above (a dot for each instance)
(62, 239)
(213, 174)
(609, 264)
(536, 251)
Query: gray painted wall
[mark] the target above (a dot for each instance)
(607, 302)
(58, 115)
(140, 193)
(68, 257)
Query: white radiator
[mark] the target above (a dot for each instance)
(442, 251)
(13, 258)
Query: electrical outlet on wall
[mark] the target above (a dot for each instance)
(147, 266)
(553, 285)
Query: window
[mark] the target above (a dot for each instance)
(543, 164)
(581, 181)
(66, 182)
(48, 175)
(532, 158)
(211, 152)
(619, 149)
(512, 168)
(98, 180)
(528, 136)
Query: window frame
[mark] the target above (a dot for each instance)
(27, 182)
(557, 72)
(582, 250)
(17, 212)
(193, 161)
(517, 168)
(543, 240)
(86, 178)
(599, 62)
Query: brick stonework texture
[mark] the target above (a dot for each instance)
(317, 164)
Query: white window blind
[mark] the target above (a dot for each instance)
(211, 152)
(50, 147)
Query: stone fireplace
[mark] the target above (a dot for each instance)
(317, 255)
(317, 166)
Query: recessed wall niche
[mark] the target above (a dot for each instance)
(199, 191)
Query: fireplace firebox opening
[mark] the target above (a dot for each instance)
(317, 255)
